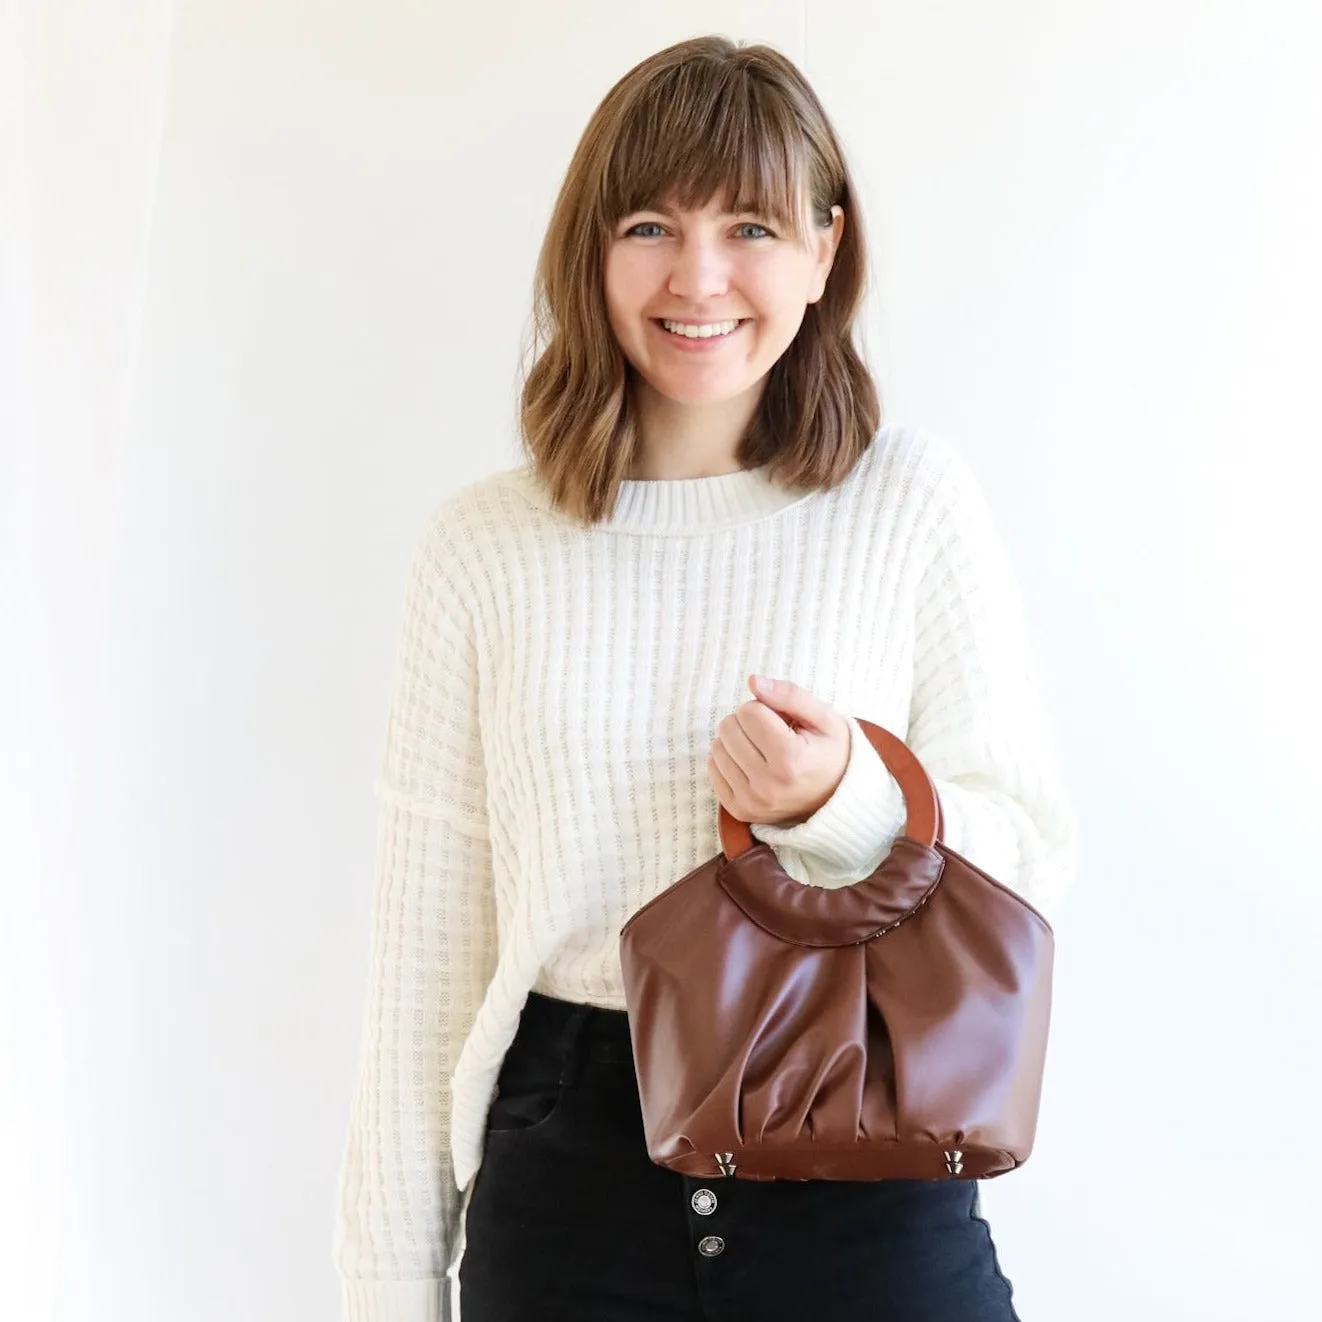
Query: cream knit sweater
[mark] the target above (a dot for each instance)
(556, 695)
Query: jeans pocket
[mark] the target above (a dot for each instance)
(529, 1093)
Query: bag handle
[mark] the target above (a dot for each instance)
(924, 822)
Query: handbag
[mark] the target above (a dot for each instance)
(895, 1028)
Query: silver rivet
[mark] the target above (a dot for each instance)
(704, 1202)
(712, 1246)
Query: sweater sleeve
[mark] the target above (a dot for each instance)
(976, 722)
(432, 953)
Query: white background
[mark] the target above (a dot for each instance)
(266, 281)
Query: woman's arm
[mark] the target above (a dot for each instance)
(976, 722)
(433, 950)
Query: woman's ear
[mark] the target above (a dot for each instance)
(827, 242)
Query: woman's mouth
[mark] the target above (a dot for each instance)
(688, 335)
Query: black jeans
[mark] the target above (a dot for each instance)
(570, 1221)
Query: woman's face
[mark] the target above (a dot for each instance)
(710, 269)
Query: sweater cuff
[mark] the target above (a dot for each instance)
(854, 829)
(426, 1300)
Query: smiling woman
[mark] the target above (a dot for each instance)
(708, 187)
(709, 502)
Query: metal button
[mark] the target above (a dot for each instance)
(711, 1246)
(704, 1202)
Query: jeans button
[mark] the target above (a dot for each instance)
(704, 1202)
(712, 1246)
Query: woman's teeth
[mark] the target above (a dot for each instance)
(700, 332)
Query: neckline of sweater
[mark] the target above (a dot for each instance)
(680, 506)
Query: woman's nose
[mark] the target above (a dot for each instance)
(701, 271)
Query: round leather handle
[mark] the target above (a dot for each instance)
(923, 823)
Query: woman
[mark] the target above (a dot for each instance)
(710, 499)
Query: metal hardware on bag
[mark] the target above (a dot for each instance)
(725, 1160)
(954, 1161)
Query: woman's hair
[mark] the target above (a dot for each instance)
(700, 117)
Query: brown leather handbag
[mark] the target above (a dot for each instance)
(892, 1029)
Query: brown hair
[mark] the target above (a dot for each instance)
(702, 116)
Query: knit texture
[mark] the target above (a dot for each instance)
(557, 692)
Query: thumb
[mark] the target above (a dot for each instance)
(790, 700)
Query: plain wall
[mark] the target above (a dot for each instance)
(268, 270)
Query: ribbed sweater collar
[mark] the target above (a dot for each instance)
(679, 506)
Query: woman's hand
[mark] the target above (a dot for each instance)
(778, 759)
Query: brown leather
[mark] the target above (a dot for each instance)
(895, 1028)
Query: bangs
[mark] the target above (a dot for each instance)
(700, 132)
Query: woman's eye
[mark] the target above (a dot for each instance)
(655, 225)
